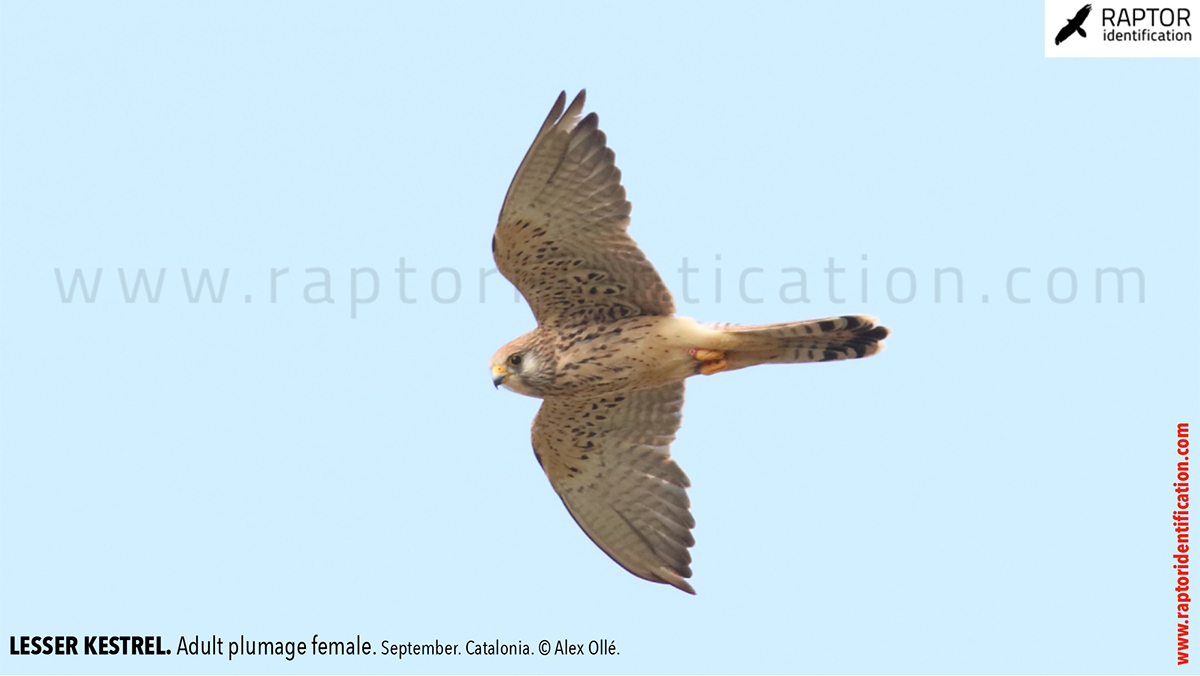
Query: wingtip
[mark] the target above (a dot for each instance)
(576, 108)
(668, 576)
(682, 586)
(561, 113)
(556, 111)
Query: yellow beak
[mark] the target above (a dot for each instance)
(499, 373)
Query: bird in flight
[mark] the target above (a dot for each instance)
(1073, 25)
(609, 357)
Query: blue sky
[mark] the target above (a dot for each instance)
(991, 494)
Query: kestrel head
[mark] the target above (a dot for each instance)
(521, 366)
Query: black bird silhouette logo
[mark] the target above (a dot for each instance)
(1073, 25)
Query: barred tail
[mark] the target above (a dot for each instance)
(835, 338)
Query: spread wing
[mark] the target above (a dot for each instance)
(1081, 15)
(608, 458)
(561, 236)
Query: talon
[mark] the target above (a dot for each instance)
(711, 361)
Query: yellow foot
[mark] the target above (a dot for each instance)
(711, 361)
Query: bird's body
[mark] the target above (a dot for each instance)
(609, 357)
(592, 358)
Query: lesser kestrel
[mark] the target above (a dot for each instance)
(609, 357)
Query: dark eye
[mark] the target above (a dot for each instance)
(515, 360)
